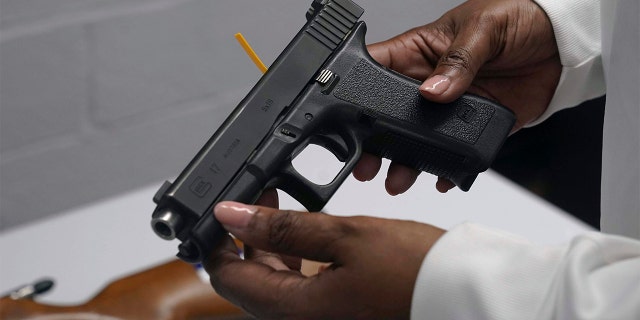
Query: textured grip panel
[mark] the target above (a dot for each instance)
(384, 92)
(416, 155)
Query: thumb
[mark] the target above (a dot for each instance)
(312, 236)
(380, 52)
(458, 66)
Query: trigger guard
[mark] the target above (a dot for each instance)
(312, 196)
(298, 187)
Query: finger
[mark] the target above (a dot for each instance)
(224, 250)
(406, 53)
(367, 167)
(293, 263)
(274, 260)
(380, 52)
(443, 185)
(271, 259)
(400, 178)
(460, 63)
(316, 237)
(269, 198)
(260, 289)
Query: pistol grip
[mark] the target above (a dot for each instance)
(456, 140)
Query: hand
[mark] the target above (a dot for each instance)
(504, 50)
(374, 263)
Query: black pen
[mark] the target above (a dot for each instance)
(29, 291)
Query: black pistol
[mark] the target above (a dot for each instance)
(324, 89)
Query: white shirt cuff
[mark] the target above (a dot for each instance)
(576, 25)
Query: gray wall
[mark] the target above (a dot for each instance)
(99, 97)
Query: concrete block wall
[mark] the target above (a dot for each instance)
(99, 97)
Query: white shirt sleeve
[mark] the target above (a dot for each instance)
(576, 25)
(473, 272)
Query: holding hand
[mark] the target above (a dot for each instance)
(504, 50)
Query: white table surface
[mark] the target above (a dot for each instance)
(84, 249)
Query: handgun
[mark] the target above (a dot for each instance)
(324, 89)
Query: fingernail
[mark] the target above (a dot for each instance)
(234, 214)
(436, 85)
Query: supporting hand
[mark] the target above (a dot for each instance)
(373, 263)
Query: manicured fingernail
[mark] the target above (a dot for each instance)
(234, 214)
(436, 85)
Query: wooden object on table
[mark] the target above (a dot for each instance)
(170, 291)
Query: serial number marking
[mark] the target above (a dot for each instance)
(230, 149)
(267, 105)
